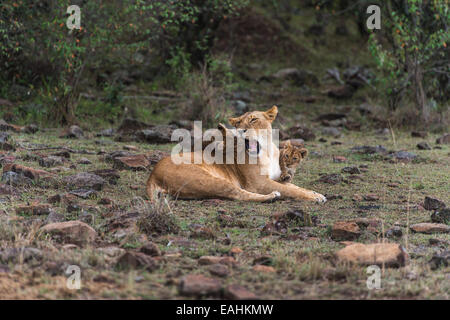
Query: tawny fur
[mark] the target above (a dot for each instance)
(230, 181)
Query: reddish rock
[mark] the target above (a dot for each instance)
(137, 162)
(34, 209)
(345, 230)
(136, 260)
(382, 254)
(238, 292)
(207, 260)
(71, 232)
(219, 270)
(26, 171)
(198, 285)
(430, 228)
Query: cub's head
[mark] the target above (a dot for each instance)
(256, 126)
(290, 158)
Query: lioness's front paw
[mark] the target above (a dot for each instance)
(319, 198)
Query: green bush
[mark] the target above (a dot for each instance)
(411, 52)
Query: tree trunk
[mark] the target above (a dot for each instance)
(421, 100)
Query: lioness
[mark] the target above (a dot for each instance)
(290, 158)
(248, 182)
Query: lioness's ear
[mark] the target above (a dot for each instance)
(233, 121)
(303, 152)
(222, 128)
(271, 114)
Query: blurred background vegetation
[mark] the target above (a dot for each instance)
(206, 59)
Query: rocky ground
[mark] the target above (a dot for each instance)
(74, 197)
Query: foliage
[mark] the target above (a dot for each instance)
(36, 46)
(411, 51)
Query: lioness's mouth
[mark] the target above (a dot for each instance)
(252, 146)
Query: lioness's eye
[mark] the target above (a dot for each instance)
(253, 120)
(286, 156)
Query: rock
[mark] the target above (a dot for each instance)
(419, 134)
(423, 146)
(157, 134)
(368, 149)
(72, 132)
(208, 260)
(339, 159)
(394, 232)
(264, 269)
(333, 178)
(402, 156)
(11, 178)
(84, 161)
(357, 197)
(440, 260)
(382, 254)
(351, 170)
(331, 131)
(84, 180)
(110, 175)
(343, 230)
(34, 209)
(430, 228)
(441, 216)
(138, 162)
(300, 132)
(135, 260)
(26, 171)
(7, 190)
(219, 270)
(71, 232)
(150, 249)
(433, 204)
(445, 139)
(198, 286)
(340, 92)
(84, 193)
(371, 197)
(238, 292)
(51, 161)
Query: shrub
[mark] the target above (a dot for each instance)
(411, 52)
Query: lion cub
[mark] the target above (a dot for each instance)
(290, 158)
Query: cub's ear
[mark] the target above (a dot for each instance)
(271, 114)
(288, 143)
(303, 152)
(233, 121)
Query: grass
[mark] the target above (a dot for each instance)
(305, 268)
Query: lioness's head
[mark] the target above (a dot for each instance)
(256, 126)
